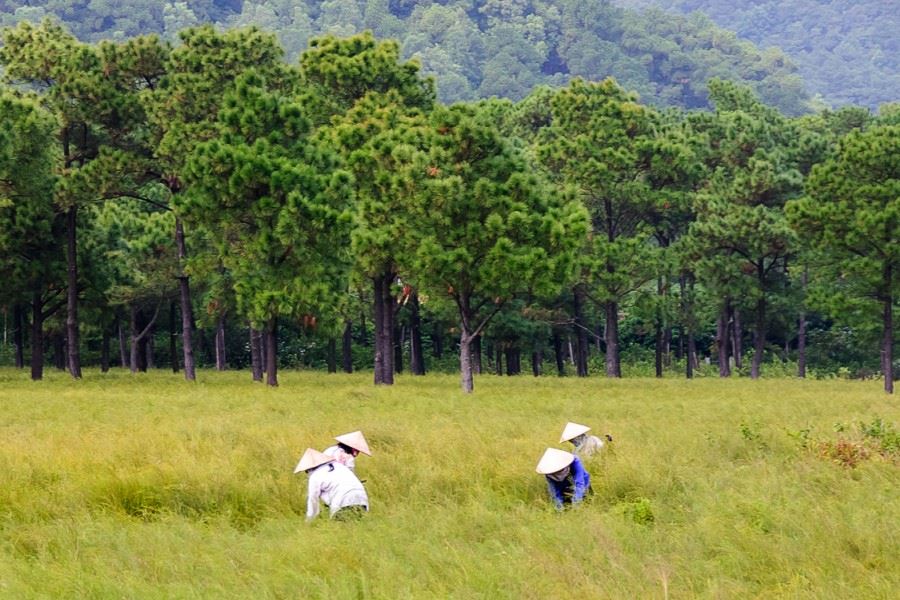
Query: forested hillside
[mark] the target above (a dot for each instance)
(477, 48)
(848, 50)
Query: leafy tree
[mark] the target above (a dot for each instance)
(489, 228)
(851, 214)
(31, 230)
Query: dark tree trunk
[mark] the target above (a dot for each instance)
(124, 361)
(272, 352)
(558, 353)
(37, 337)
(332, 355)
(437, 341)
(104, 351)
(613, 364)
(19, 335)
(264, 344)
(134, 360)
(187, 312)
(723, 342)
(465, 361)
(416, 351)
(499, 360)
(398, 337)
(476, 355)
(173, 337)
(347, 347)
(658, 333)
(691, 361)
(737, 334)
(221, 363)
(759, 338)
(581, 332)
(384, 329)
(536, 360)
(141, 349)
(59, 351)
(887, 343)
(149, 349)
(256, 351)
(362, 336)
(74, 358)
(801, 330)
(511, 367)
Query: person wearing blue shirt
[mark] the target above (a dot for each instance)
(567, 480)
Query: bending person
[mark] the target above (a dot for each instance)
(334, 484)
(348, 448)
(585, 445)
(567, 481)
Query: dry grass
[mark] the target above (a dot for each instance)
(148, 487)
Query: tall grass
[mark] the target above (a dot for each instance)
(148, 487)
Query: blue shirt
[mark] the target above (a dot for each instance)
(571, 489)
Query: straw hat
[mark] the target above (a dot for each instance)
(554, 460)
(356, 441)
(311, 459)
(572, 430)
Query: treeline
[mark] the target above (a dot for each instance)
(477, 49)
(847, 50)
(148, 189)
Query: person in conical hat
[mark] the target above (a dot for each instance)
(348, 448)
(332, 483)
(567, 480)
(585, 445)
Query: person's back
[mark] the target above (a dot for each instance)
(332, 483)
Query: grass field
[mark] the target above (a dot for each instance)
(148, 487)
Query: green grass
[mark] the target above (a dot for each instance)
(148, 487)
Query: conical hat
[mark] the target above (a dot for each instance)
(572, 430)
(356, 441)
(554, 460)
(311, 459)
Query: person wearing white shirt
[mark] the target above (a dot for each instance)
(332, 483)
(348, 448)
(585, 445)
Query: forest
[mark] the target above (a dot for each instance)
(477, 48)
(847, 51)
(211, 203)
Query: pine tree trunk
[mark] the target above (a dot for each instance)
(221, 363)
(691, 356)
(362, 336)
(536, 360)
(272, 352)
(347, 347)
(104, 351)
(887, 343)
(74, 358)
(658, 333)
(416, 351)
(737, 334)
(124, 361)
(173, 337)
(256, 351)
(722, 342)
(187, 313)
(149, 350)
(378, 312)
(801, 330)
(264, 345)
(133, 359)
(499, 361)
(759, 339)
(613, 364)
(332, 355)
(19, 335)
(465, 362)
(398, 337)
(580, 326)
(558, 354)
(37, 337)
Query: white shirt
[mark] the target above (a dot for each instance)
(339, 455)
(336, 486)
(587, 445)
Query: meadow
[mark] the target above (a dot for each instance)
(146, 486)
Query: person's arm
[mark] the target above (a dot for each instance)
(582, 481)
(312, 498)
(555, 494)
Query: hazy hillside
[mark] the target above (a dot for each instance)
(848, 50)
(478, 48)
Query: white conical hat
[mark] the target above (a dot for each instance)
(356, 441)
(554, 460)
(572, 430)
(311, 459)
